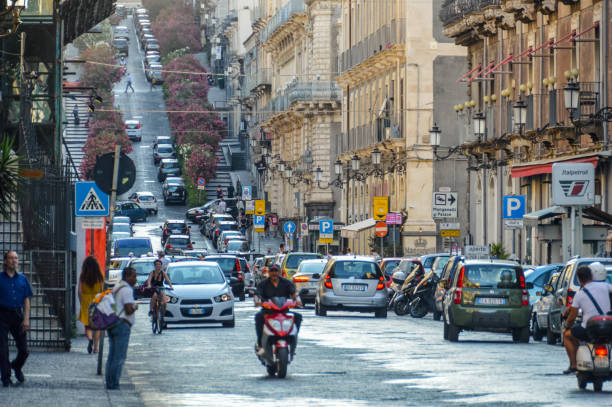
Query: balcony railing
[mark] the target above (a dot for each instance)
(386, 36)
(302, 92)
(453, 10)
(262, 77)
(281, 17)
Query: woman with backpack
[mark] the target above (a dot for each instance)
(91, 282)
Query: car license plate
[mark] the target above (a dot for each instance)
(196, 311)
(601, 362)
(176, 194)
(354, 287)
(490, 301)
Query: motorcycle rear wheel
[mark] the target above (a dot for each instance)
(419, 310)
(597, 385)
(582, 381)
(283, 361)
(401, 307)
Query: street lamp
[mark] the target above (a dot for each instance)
(434, 136)
(281, 166)
(337, 167)
(479, 124)
(375, 156)
(571, 94)
(318, 175)
(519, 113)
(264, 150)
(355, 163)
(288, 172)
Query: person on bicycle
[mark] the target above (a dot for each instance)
(156, 279)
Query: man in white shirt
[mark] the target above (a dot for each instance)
(599, 298)
(119, 334)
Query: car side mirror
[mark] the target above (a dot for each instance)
(316, 276)
(529, 285)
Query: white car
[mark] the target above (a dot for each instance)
(132, 128)
(201, 294)
(146, 200)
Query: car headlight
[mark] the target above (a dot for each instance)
(275, 324)
(173, 299)
(286, 324)
(222, 298)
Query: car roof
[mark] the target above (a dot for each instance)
(369, 259)
(143, 259)
(148, 239)
(117, 219)
(227, 222)
(179, 237)
(132, 121)
(490, 261)
(313, 261)
(145, 193)
(176, 221)
(215, 255)
(192, 263)
(165, 145)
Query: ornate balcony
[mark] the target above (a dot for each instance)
(313, 92)
(259, 80)
(470, 20)
(283, 16)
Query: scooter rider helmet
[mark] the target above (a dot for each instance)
(598, 271)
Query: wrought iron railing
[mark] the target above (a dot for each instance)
(281, 17)
(453, 10)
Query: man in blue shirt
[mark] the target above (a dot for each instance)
(15, 293)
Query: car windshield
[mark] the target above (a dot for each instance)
(311, 267)
(164, 149)
(390, 265)
(228, 226)
(428, 261)
(143, 268)
(227, 264)
(294, 260)
(178, 241)
(146, 198)
(122, 227)
(491, 276)
(176, 226)
(607, 265)
(195, 274)
(440, 263)
(355, 270)
(237, 245)
(407, 266)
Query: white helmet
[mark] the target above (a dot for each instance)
(399, 275)
(598, 271)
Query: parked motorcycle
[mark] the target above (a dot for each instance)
(594, 361)
(279, 338)
(397, 279)
(401, 305)
(423, 300)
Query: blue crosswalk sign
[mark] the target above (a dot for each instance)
(289, 227)
(90, 200)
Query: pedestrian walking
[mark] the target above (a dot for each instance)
(75, 113)
(119, 334)
(91, 282)
(129, 83)
(230, 191)
(15, 293)
(162, 256)
(222, 206)
(219, 192)
(266, 226)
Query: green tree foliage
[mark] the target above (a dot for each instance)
(498, 252)
(9, 174)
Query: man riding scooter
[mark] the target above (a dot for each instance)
(593, 299)
(273, 286)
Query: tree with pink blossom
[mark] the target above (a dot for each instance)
(174, 28)
(101, 144)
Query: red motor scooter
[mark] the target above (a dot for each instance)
(279, 337)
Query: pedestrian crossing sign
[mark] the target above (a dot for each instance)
(90, 200)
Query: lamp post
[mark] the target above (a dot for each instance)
(479, 124)
(434, 141)
(519, 114)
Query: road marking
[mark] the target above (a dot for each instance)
(145, 146)
(149, 181)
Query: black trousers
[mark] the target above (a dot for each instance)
(10, 321)
(259, 323)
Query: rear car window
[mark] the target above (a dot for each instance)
(132, 125)
(176, 226)
(227, 264)
(145, 198)
(407, 266)
(355, 269)
(163, 149)
(390, 265)
(238, 246)
(179, 241)
(607, 265)
(491, 276)
(312, 268)
(294, 260)
(228, 226)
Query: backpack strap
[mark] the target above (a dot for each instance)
(593, 301)
(115, 297)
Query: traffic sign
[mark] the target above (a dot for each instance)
(450, 225)
(260, 207)
(259, 223)
(93, 222)
(201, 183)
(444, 205)
(510, 224)
(450, 233)
(247, 193)
(573, 184)
(103, 173)
(326, 231)
(304, 229)
(249, 207)
(476, 252)
(289, 227)
(394, 218)
(513, 206)
(381, 229)
(381, 207)
(90, 200)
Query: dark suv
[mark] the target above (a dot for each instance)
(174, 227)
(232, 267)
(487, 295)
(566, 288)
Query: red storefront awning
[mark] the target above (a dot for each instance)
(546, 168)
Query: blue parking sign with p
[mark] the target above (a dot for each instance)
(326, 227)
(259, 220)
(513, 206)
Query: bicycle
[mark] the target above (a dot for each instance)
(157, 319)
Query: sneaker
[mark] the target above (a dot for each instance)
(8, 383)
(570, 370)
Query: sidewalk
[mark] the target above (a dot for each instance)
(261, 243)
(68, 379)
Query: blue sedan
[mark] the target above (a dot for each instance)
(132, 210)
(539, 276)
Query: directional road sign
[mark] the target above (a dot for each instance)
(326, 231)
(444, 205)
(450, 233)
(513, 206)
(90, 200)
(259, 222)
(304, 229)
(289, 227)
(247, 193)
(381, 229)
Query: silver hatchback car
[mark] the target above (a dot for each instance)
(351, 283)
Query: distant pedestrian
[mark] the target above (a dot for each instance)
(162, 256)
(222, 206)
(281, 248)
(119, 334)
(243, 224)
(348, 251)
(230, 191)
(266, 226)
(269, 252)
(75, 113)
(219, 192)
(129, 83)
(91, 282)
(15, 293)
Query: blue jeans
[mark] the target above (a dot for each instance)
(119, 337)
